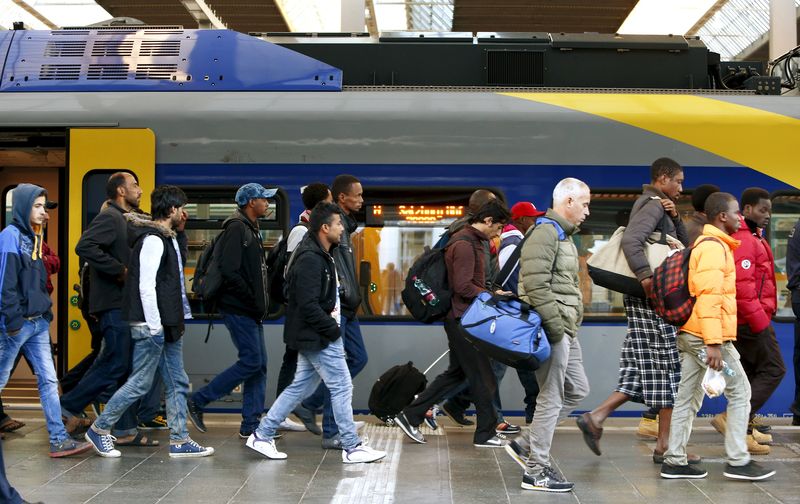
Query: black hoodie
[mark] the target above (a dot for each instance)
(346, 267)
(243, 264)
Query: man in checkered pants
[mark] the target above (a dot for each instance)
(649, 367)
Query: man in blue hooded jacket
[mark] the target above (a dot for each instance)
(25, 313)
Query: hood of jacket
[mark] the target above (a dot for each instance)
(509, 231)
(21, 206)
(140, 225)
(239, 215)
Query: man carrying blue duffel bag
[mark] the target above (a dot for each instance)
(549, 283)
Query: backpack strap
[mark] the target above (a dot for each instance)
(511, 263)
(562, 235)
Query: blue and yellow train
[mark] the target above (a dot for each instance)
(210, 110)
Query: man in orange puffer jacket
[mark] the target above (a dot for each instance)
(712, 326)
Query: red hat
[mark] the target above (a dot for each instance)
(524, 209)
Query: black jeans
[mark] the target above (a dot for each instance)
(7, 492)
(762, 362)
(465, 362)
(288, 367)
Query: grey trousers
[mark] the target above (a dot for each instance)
(562, 386)
(690, 398)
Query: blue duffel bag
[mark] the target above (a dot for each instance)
(507, 330)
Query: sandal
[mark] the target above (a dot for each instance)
(10, 425)
(140, 440)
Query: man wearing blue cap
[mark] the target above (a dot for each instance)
(243, 303)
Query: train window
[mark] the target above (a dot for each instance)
(208, 208)
(94, 193)
(610, 209)
(398, 224)
(785, 212)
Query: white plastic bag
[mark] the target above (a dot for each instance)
(713, 383)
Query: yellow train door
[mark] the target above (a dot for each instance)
(94, 154)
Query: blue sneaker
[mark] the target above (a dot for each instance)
(68, 447)
(103, 444)
(188, 449)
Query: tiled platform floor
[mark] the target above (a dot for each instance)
(446, 470)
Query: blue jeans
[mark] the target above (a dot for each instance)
(250, 370)
(795, 408)
(107, 373)
(7, 492)
(151, 353)
(33, 340)
(330, 365)
(356, 361)
(150, 404)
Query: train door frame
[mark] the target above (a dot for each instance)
(89, 150)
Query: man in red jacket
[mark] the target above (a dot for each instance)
(756, 302)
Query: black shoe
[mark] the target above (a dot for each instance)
(591, 434)
(796, 420)
(456, 415)
(751, 471)
(546, 480)
(196, 415)
(517, 454)
(410, 431)
(682, 472)
(309, 419)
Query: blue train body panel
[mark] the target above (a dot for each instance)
(95, 60)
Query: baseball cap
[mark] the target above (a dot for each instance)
(253, 191)
(524, 209)
(50, 204)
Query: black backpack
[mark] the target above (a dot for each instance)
(427, 292)
(277, 261)
(395, 390)
(207, 280)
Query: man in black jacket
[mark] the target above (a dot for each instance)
(349, 196)
(154, 306)
(244, 305)
(104, 247)
(312, 328)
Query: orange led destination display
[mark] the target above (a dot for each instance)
(413, 214)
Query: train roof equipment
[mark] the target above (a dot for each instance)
(136, 58)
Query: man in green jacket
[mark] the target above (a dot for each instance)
(549, 282)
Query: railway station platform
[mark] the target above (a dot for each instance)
(448, 469)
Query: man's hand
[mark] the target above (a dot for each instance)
(123, 276)
(714, 357)
(669, 207)
(647, 285)
(14, 333)
(182, 224)
(500, 292)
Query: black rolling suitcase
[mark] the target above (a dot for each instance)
(396, 388)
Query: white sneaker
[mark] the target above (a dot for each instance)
(265, 447)
(362, 454)
(360, 425)
(291, 425)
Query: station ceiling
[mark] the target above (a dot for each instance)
(239, 15)
(572, 16)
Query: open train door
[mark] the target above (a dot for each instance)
(94, 154)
